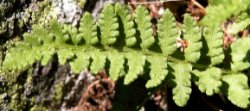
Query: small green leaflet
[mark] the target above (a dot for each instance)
(116, 65)
(180, 80)
(81, 62)
(158, 72)
(98, 63)
(237, 89)
(167, 33)
(208, 81)
(240, 49)
(192, 34)
(136, 63)
(144, 26)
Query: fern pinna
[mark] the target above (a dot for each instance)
(125, 43)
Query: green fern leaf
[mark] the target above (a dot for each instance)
(136, 64)
(216, 14)
(181, 82)
(237, 27)
(214, 39)
(98, 63)
(116, 65)
(167, 33)
(127, 24)
(71, 32)
(36, 39)
(238, 91)
(240, 49)
(15, 59)
(88, 29)
(209, 81)
(31, 47)
(158, 71)
(64, 55)
(47, 55)
(108, 23)
(32, 40)
(144, 26)
(57, 33)
(192, 34)
(81, 62)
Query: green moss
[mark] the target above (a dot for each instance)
(81, 3)
(38, 108)
(58, 92)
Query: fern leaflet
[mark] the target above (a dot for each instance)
(108, 23)
(224, 9)
(167, 33)
(193, 35)
(238, 91)
(240, 50)
(214, 39)
(116, 65)
(181, 82)
(136, 65)
(158, 72)
(208, 81)
(88, 29)
(144, 26)
(99, 60)
(237, 27)
(81, 62)
(127, 24)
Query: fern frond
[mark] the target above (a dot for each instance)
(128, 25)
(108, 23)
(158, 71)
(222, 10)
(237, 89)
(167, 33)
(181, 82)
(192, 34)
(240, 51)
(66, 42)
(136, 64)
(214, 39)
(144, 26)
(88, 29)
(209, 81)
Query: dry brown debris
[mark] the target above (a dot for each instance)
(98, 95)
